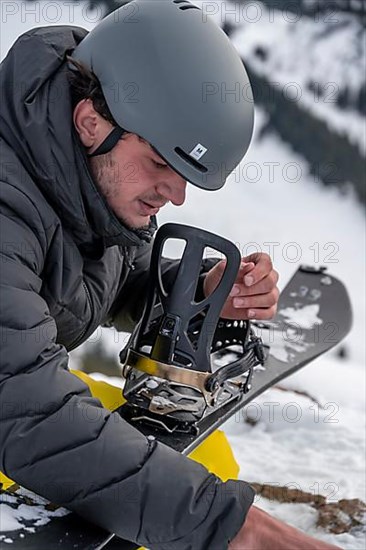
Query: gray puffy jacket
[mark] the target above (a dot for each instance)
(65, 269)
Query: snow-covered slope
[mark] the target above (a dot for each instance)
(312, 62)
(307, 64)
(314, 59)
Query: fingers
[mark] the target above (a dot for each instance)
(264, 286)
(267, 300)
(255, 293)
(262, 314)
(245, 267)
(262, 267)
(214, 276)
(260, 306)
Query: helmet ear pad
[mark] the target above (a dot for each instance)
(172, 76)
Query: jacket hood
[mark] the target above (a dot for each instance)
(36, 122)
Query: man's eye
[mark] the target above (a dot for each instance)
(159, 164)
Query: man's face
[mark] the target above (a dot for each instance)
(136, 181)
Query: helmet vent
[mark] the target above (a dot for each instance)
(190, 160)
(187, 5)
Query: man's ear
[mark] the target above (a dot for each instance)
(89, 124)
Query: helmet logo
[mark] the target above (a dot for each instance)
(198, 151)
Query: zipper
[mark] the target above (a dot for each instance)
(86, 328)
(128, 258)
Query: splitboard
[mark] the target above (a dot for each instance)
(314, 314)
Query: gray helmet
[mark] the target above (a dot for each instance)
(171, 75)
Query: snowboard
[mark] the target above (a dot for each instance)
(314, 314)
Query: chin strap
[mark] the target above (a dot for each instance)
(110, 141)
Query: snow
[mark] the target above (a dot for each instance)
(272, 203)
(311, 433)
(282, 345)
(306, 317)
(328, 51)
(24, 517)
(9, 521)
(12, 519)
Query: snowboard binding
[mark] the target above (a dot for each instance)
(176, 364)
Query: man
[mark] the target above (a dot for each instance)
(84, 172)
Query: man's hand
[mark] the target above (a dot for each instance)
(254, 294)
(263, 532)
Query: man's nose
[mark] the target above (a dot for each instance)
(173, 188)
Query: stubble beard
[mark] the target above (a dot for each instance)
(105, 173)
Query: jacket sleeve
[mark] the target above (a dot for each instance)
(56, 440)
